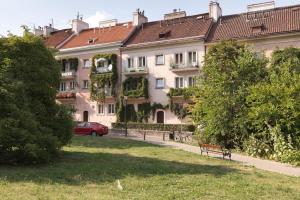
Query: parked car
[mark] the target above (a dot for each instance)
(91, 128)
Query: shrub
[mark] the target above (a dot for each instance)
(33, 127)
(155, 127)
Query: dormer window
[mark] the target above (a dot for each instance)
(91, 40)
(165, 34)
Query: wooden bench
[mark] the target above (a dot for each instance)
(208, 148)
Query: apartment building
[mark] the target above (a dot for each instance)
(169, 54)
(156, 61)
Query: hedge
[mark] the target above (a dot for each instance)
(156, 127)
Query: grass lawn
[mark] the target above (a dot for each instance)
(89, 169)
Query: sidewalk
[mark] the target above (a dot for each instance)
(267, 165)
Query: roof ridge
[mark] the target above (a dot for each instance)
(272, 9)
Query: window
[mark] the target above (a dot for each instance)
(72, 85)
(130, 62)
(86, 63)
(193, 57)
(62, 86)
(101, 109)
(179, 58)
(142, 61)
(179, 82)
(160, 83)
(159, 59)
(111, 108)
(85, 84)
(192, 81)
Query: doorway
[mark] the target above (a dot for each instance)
(85, 116)
(160, 117)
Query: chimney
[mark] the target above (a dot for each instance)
(38, 31)
(175, 14)
(215, 11)
(47, 30)
(78, 25)
(139, 18)
(261, 6)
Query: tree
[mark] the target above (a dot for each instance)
(275, 109)
(32, 126)
(229, 69)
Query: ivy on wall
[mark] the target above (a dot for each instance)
(135, 87)
(101, 80)
(179, 109)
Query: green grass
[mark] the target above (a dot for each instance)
(90, 167)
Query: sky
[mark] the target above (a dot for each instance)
(14, 13)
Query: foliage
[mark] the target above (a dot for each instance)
(102, 81)
(29, 78)
(185, 92)
(156, 127)
(131, 115)
(228, 72)
(178, 109)
(135, 87)
(143, 113)
(275, 106)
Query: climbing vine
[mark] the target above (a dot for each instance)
(103, 80)
(135, 87)
(179, 109)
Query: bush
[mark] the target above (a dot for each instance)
(33, 127)
(155, 127)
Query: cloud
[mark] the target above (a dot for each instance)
(99, 16)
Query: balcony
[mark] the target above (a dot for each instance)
(136, 71)
(66, 95)
(68, 75)
(106, 69)
(190, 67)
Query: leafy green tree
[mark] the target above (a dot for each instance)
(275, 109)
(32, 126)
(229, 69)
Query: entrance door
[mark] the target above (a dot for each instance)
(160, 117)
(85, 116)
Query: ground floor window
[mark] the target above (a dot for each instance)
(111, 108)
(101, 109)
(192, 81)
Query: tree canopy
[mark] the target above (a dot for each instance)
(32, 126)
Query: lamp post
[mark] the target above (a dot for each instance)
(125, 117)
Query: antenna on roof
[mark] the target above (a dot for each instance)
(79, 16)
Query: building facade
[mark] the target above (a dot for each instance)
(156, 62)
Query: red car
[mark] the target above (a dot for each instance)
(91, 128)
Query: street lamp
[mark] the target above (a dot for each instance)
(125, 117)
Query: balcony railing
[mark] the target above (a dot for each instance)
(136, 71)
(184, 67)
(68, 74)
(101, 70)
(66, 95)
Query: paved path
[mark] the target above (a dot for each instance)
(246, 160)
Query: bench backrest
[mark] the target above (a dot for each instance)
(210, 146)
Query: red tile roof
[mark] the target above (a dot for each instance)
(57, 37)
(116, 33)
(185, 27)
(257, 24)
